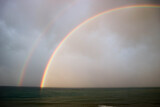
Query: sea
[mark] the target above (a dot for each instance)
(79, 97)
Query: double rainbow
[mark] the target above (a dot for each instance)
(68, 35)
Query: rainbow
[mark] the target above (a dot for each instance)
(81, 25)
(37, 41)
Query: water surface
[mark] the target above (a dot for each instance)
(79, 97)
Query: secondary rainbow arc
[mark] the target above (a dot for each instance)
(37, 41)
(82, 24)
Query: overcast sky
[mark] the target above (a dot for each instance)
(120, 49)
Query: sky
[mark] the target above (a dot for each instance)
(119, 49)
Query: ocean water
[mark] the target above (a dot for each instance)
(79, 97)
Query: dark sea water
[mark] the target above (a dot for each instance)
(80, 97)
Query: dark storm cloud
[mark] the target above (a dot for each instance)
(21, 22)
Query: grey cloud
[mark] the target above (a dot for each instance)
(22, 22)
